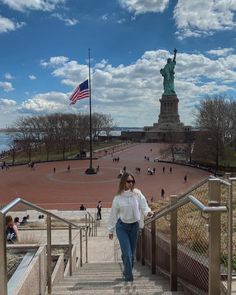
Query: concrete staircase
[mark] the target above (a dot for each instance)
(106, 278)
(103, 274)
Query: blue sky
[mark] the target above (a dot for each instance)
(44, 55)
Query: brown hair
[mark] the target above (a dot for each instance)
(123, 180)
(8, 219)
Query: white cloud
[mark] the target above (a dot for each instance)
(45, 102)
(126, 91)
(66, 20)
(8, 76)
(7, 25)
(54, 61)
(7, 86)
(105, 17)
(221, 51)
(9, 114)
(122, 90)
(7, 103)
(32, 77)
(121, 21)
(74, 72)
(199, 18)
(22, 5)
(144, 6)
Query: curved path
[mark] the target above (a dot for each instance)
(68, 189)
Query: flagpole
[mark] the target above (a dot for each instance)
(90, 170)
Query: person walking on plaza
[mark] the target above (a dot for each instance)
(185, 178)
(12, 235)
(162, 193)
(129, 207)
(99, 210)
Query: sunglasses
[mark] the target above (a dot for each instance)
(130, 181)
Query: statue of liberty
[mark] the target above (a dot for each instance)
(168, 74)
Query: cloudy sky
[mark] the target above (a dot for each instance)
(44, 55)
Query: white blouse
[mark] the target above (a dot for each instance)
(124, 207)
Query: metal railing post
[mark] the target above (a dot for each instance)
(96, 228)
(49, 255)
(89, 225)
(214, 238)
(70, 249)
(138, 247)
(153, 233)
(173, 245)
(230, 235)
(86, 245)
(86, 220)
(143, 247)
(92, 227)
(3, 256)
(81, 248)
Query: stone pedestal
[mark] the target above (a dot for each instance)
(169, 116)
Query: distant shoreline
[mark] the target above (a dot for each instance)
(7, 130)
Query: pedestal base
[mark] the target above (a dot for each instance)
(91, 171)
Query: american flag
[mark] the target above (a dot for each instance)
(82, 91)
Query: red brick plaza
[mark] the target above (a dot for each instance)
(65, 189)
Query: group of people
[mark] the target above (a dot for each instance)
(4, 165)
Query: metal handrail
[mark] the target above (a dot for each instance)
(214, 206)
(7, 208)
(16, 201)
(205, 180)
(184, 201)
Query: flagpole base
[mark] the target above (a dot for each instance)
(90, 171)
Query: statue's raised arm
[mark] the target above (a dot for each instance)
(175, 52)
(168, 75)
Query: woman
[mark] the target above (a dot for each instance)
(11, 230)
(128, 209)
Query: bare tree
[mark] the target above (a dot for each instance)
(108, 125)
(232, 123)
(58, 132)
(25, 138)
(212, 118)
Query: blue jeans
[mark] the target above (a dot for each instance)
(127, 234)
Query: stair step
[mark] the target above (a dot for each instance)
(105, 284)
(106, 279)
(128, 291)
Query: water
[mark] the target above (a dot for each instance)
(4, 140)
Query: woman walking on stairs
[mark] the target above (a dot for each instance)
(127, 215)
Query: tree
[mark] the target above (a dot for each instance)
(232, 123)
(212, 118)
(58, 133)
(25, 137)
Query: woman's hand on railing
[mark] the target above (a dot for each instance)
(111, 236)
(150, 214)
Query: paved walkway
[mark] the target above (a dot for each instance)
(67, 190)
(100, 248)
